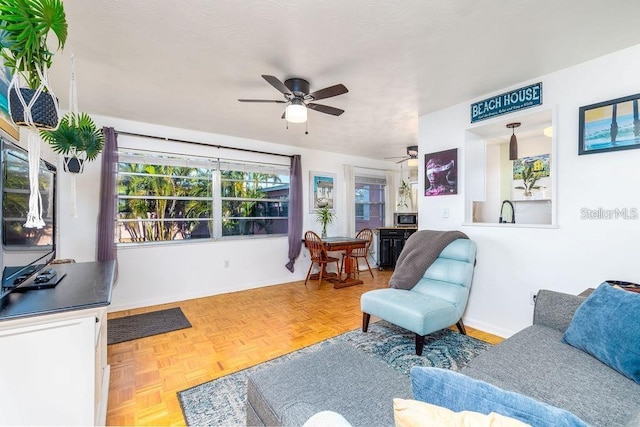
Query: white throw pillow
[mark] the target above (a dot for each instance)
(413, 413)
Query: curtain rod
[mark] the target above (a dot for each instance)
(202, 143)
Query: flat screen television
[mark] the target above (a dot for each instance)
(25, 251)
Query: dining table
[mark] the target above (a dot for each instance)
(346, 244)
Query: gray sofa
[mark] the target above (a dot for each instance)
(534, 362)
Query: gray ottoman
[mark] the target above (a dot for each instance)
(337, 378)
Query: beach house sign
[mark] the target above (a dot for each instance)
(525, 97)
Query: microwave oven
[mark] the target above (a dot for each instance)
(406, 219)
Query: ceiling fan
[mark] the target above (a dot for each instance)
(298, 99)
(411, 158)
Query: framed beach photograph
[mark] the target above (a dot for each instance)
(609, 126)
(441, 173)
(323, 190)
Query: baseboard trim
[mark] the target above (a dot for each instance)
(489, 328)
(184, 297)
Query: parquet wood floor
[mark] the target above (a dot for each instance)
(230, 332)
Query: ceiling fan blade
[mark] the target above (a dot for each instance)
(396, 157)
(325, 109)
(275, 82)
(262, 100)
(403, 160)
(328, 92)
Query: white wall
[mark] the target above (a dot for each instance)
(579, 253)
(174, 272)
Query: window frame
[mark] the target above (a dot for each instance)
(214, 166)
(368, 179)
(253, 169)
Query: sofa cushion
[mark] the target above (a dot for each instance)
(555, 310)
(536, 362)
(459, 392)
(414, 413)
(606, 327)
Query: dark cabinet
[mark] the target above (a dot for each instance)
(390, 244)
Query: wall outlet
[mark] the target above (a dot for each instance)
(532, 297)
(445, 212)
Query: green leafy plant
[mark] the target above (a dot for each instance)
(76, 133)
(529, 179)
(24, 29)
(404, 195)
(324, 216)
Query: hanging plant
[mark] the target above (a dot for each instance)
(77, 138)
(404, 195)
(24, 28)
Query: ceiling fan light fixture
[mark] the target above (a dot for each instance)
(296, 112)
(412, 162)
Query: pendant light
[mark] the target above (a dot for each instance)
(513, 142)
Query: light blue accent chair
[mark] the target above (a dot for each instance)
(436, 302)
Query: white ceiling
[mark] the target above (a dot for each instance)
(184, 63)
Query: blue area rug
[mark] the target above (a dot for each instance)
(221, 402)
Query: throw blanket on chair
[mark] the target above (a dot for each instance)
(419, 252)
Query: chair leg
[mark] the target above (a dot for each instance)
(308, 274)
(419, 344)
(322, 267)
(368, 266)
(461, 328)
(365, 321)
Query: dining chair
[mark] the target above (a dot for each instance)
(364, 234)
(318, 254)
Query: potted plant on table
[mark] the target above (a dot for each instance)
(25, 26)
(77, 138)
(324, 216)
(529, 179)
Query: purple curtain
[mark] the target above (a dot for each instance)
(295, 211)
(107, 214)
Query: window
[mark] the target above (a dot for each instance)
(168, 198)
(369, 193)
(255, 199)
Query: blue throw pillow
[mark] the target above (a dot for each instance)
(605, 325)
(459, 392)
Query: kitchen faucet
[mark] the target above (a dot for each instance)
(513, 213)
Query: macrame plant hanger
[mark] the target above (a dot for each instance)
(31, 133)
(74, 156)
